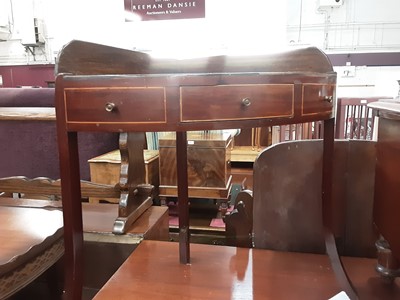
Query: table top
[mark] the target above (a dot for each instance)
(114, 157)
(221, 272)
(26, 232)
(98, 219)
(386, 105)
(27, 113)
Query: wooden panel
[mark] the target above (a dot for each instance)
(227, 102)
(208, 160)
(200, 192)
(220, 272)
(287, 195)
(98, 219)
(318, 98)
(130, 105)
(80, 57)
(110, 251)
(387, 183)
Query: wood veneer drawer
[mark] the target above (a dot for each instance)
(115, 105)
(318, 98)
(235, 102)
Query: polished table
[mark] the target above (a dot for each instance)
(29, 222)
(97, 219)
(31, 242)
(222, 272)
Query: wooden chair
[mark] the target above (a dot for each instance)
(286, 213)
(286, 207)
(287, 189)
(354, 119)
(278, 270)
(33, 231)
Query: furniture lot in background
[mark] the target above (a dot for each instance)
(354, 119)
(286, 210)
(100, 245)
(106, 168)
(286, 220)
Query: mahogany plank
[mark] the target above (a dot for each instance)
(221, 272)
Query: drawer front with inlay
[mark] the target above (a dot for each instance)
(318, 98)
(115, 105)
(236, 102)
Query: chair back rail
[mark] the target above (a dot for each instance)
(49, 187)
(287, 191)
(354, 119)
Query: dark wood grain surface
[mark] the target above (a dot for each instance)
(387, 179)
(221, 272)
(25, 233)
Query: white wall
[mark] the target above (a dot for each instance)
(357, 25)
(368, 82)
(230, 26)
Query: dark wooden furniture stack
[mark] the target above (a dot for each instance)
(100, 88)
(387, 187)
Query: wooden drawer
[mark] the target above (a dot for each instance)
(130, 105)
(318, 98)
(217, 103)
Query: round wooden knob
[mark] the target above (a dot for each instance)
(110, 106)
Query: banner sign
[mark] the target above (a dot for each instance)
(148, 10)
